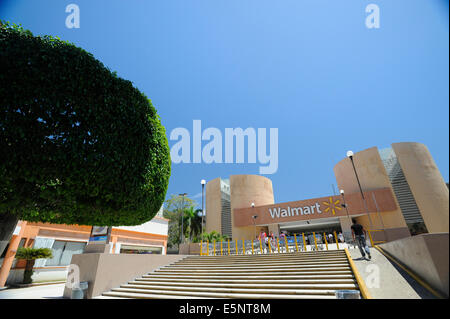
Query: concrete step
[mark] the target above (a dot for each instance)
(252, 263)
(133, 295)
(183, 285)
(255, 279)
(253, 266)
(235, 293)
(323, 272)
(277, 270)
(262, 257)
(191, 289)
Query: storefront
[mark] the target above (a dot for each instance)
(394, 192)
(67, 240)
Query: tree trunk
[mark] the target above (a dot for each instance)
(8, 223)
(28, 271)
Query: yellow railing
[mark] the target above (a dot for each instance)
(372, 242)
(291, 244)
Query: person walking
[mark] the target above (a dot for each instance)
(263, 237)
(359, 235)
(341, 237)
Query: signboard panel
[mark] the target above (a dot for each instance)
(323, 207)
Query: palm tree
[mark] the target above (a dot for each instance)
(194, 222)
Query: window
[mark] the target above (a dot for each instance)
(63, 251)
(128, 249)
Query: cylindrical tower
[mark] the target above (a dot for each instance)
(245, 190)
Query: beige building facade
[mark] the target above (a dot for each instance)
(404, 195)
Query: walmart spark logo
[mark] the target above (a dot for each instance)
(333, 206)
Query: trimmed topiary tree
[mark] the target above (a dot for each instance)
(30, 255)
(78, 144)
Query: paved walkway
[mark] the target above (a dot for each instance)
(38, 292)
(385, 280)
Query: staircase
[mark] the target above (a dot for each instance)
(304, 275)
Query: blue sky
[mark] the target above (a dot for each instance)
(309, 68)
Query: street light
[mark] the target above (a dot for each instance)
(345, 205)
(350, 155)
(254, 224)
(182, 213)
(203, 182)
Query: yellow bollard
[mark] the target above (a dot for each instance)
(315, 240)
(214, 247)
(336, 239)
(260, 246)
(278, 245)
(207, 248)
(237, 247)
(221, 248)
(201, 248)
(243, 247)
(287, 245)
(304, 242)
(296, 245)
(253, 251)
(326, 243)
(229, 248)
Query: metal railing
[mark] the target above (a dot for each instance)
(287, 244)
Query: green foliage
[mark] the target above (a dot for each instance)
(79, 145)
(172, 211)
(214, 236)
(33, 253)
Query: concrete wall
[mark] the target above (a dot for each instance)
(213, 206)
(372, 175)
(245, 190)
(107, 271)
(426, 184)
(39, 275)
(426, 255)
(190, 249)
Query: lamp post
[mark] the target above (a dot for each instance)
(203, 182)
(345, 204)
(350, 155)
(254, 223)
(182, 215)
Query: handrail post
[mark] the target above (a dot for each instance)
(304, 242)
(201, 248)
(221, 248)
(243, 247)
(315, 241)
(229, 253)
(335, 238)
(296, 245)
(278, 245)
(207, 247)
(370, 237)
(326, 243)
(253, 250)
(287, 245)
(260, 246)
(237, 247)
(214, 247)
(270, 248)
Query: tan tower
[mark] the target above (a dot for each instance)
(372, 175)
(426, 183)
(245, 190)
